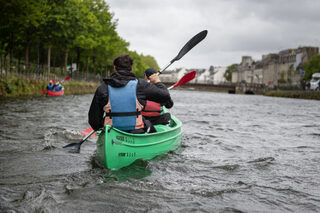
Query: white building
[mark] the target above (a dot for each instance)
(213, 75)
(218, 77)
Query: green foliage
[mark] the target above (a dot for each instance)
(150, 61)
(315, 95)
(290, 71)
(13, 86)
(312, 66)
(282, 80)
(138, 65)
(81, 31)
(228, 73)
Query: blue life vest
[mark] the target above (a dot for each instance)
(50, 87)
(58, 88)
(124, 112)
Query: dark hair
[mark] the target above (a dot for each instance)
(123, 62)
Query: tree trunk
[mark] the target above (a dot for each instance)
(19, 61)
(94, 64)
(27, 54)
(87, 65)
(78, 59)
(5, 64)
(1, 65)
(11, 51)
(53, 60)
(66, 59)
(38, 59)
(49, 56)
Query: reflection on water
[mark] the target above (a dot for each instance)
(238, 154)
(137, 170)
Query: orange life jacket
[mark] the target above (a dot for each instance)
(152, 109)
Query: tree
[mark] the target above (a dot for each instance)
(228, 73)
(109, 43)
(150, 61)
(83, 30)
(54, 27)
(138, 65)
(312, 66)
(20, 21)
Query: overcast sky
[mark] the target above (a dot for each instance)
(235, 28)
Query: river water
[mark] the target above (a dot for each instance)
(239, 153)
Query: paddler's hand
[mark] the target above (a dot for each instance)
(154, 79)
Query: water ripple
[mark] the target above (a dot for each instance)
(238, 154)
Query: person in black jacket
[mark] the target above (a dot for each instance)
(154, 112)
(100, 111)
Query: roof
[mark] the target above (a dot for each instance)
(316, 75)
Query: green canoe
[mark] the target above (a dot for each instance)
(117, 149)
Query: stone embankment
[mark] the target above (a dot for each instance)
(254, 89)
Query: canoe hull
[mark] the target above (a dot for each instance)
(55, 93)
(117, 149)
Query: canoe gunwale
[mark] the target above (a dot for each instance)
(151, 144)
(178, 125)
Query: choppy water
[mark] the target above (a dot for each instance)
(238, 154)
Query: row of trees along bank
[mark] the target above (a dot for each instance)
(55, 33)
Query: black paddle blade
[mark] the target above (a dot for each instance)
(190, 44)
(76, 146)
(73, 147)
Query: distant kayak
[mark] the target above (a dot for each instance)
(55, 93)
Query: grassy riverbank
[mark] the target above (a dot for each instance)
(13, 86)
(313, 95)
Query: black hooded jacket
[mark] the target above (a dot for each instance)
(145, 91)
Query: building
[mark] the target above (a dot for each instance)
(213, 75)
(281, 69)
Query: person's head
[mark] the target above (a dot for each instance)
(123, 62)
(148, 72)
(51, 82)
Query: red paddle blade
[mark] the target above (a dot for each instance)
(67, 78)
(43, 91)
(186, 78)
(87, 131)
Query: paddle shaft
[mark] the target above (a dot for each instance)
(85, 138)
(186, 48)
(77, 145)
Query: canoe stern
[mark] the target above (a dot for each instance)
(118, 149)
